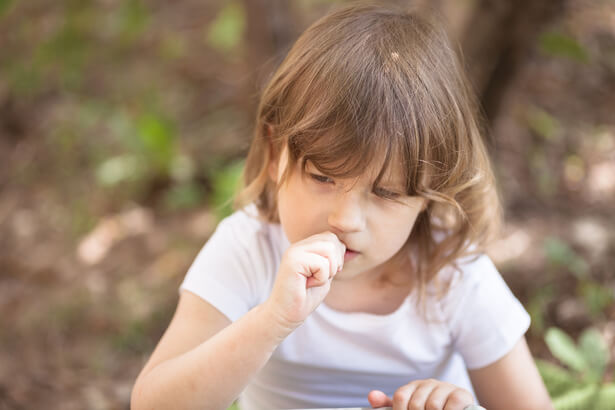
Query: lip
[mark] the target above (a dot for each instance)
(349, 254)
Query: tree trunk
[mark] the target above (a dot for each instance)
(498, 38)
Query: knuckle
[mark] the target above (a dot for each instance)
(434, 404)
(415, 405)
(330, 235)
(324, 267)
(399, 396)
(333, 239)
(460, 397)
(330, 247)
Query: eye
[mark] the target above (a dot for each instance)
(321, 178)
(386, 194)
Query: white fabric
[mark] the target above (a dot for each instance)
(335, 359)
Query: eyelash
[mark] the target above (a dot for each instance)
(383, 193)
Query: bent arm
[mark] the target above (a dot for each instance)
(511, 382)
(203, 361)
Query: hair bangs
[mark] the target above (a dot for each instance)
(382, 153)
(355, 115)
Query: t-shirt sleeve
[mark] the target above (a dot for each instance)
(227, 271)
(484, 317)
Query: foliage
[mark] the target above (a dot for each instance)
(543, 123)
(226, 181)
(559, 253)
(5, 5)
(594, 295)
(561, 45)
(537, 305)
(225, 32)
(581, 385)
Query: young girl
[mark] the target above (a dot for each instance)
(352, 272)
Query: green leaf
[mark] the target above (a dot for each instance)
(562, 45)
(184, 196)
(226, 31)
(225, 183)
(182, 168)
(5, 6)
(559, 253)
(597, 297)
(578, 399)
(537, 305)
(564, 349)
(543, 123)
(118, 169)
(158, 138)
(595, 351)
(134, 17)
(605, 400)
(557, 379)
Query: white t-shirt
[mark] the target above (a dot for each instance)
(334, 359)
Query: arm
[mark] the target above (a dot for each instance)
(511, 382)
(202, 361)
(512, 379)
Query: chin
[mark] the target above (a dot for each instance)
(342, 276)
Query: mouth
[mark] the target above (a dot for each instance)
(350, 254)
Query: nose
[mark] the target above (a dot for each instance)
(347, 214)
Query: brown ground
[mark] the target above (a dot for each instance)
(89, 274)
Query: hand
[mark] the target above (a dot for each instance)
(423, 395)
(304, 278)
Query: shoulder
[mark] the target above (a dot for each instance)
(247, 230)
(469, 277)
(471, 270)
(246, 235)
(244, 223)
(236, 267)
(465, 270)
(482, 314)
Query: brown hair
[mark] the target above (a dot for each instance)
(367, 82)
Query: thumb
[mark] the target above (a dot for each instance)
(377, 399)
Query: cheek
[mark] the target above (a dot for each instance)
(296, 213)
(398, 228)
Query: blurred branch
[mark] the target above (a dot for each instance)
(498, 37)
(270, 29)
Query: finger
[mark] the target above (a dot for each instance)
(437, 397)
(458, 399)
(377, 399)
(316, 269)
(420, 395)
(401, 397)
(328, 249)
(341, 247)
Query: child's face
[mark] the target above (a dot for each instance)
(373, 226)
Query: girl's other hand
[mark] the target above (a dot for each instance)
(427, 394)
(304, 278)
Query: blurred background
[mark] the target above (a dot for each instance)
(123, 126)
